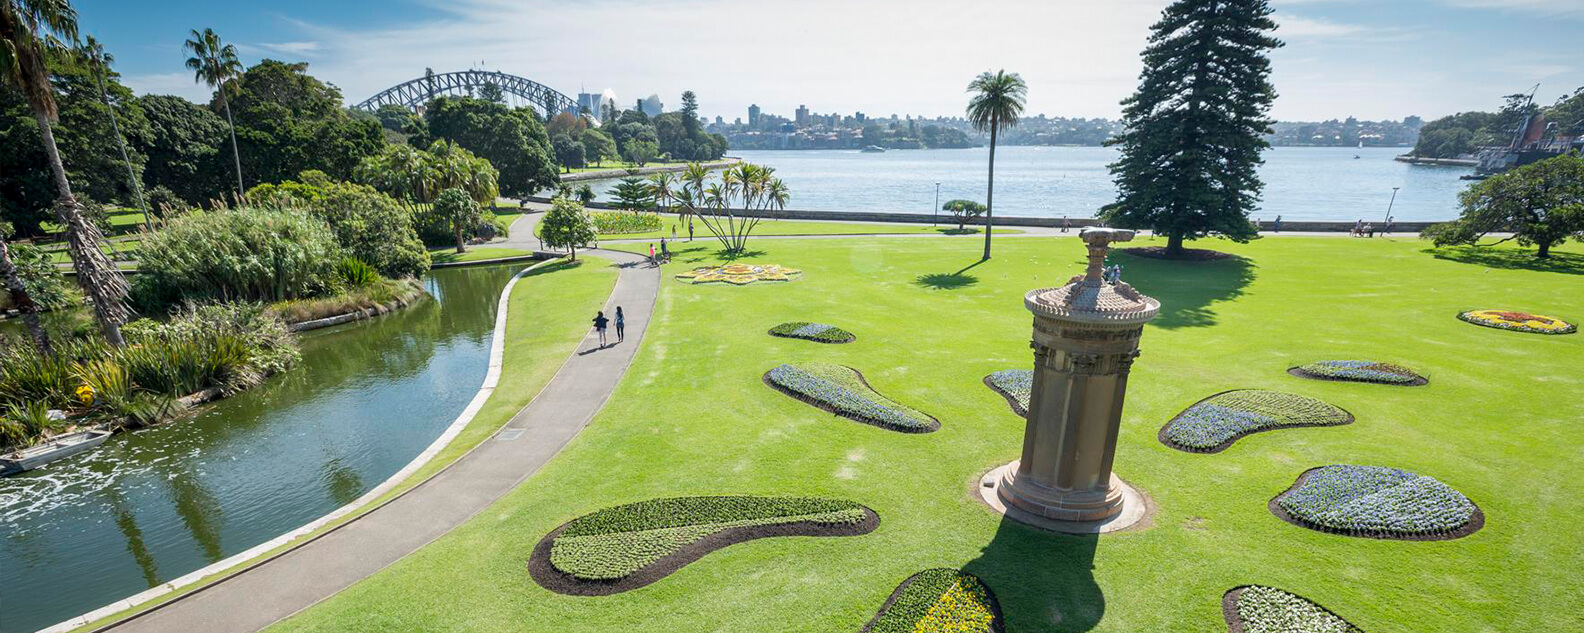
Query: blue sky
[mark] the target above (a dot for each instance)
(1366, 58)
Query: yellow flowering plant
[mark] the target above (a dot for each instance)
(1519, 321)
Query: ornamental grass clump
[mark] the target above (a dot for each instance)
(843, 391)
(615, 543)
(1360, 371)
(1216, 422)
(939, 601)
(1257, 609)
(1519, 321)
(1016, 385)
(1377, 502)
(817, 332)
(238, 255)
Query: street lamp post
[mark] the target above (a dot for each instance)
(1389, 206)
(936, 210)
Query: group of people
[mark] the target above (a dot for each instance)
(1365, 229)
(663, 256)
(601, 322)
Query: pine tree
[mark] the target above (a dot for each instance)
(1196, 126)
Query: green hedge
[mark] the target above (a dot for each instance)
(623, 223)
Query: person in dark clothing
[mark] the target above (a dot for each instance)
(599, 324)
(621, 325)
(690, 230)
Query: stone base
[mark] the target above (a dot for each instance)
(1122, 507)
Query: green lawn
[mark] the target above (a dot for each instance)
(800, 227)
(121, 221)
(448, 254)
(1500, 421)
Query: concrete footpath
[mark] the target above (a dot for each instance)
(279, 587)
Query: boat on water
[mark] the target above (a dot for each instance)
(873, 149)
(58, 447)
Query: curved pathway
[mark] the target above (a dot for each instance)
(256, 597)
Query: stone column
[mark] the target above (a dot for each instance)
(1086, 337)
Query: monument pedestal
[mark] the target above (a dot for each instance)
(1123, 505)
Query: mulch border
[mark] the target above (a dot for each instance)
(1012, 400)
(1191, 254)
(1418, 381)
(1475, 522)
(850, 337)
(1572, 327)
(1235, 623)
(997, 622)
(544, 573)
(1161, 435)
(935, 424)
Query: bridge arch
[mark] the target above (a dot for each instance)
(414, 93)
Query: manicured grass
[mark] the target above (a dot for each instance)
(1499, 422)
(797, 227)
(448, 255)
(121, 221)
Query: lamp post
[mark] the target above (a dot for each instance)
(936, 208)
(1390, 204)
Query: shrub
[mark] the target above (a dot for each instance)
(238, 255)
(1376, 501)
(355, 273)
(1214, 423)
(458, 212)
(843, 391)
(165, 203)
(372, 227)
(939, 601)
(1361, 371)
(621, 223)
(813, 332)
(1266, 610)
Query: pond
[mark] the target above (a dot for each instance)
(148, 507)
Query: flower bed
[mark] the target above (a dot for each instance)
(1377, 502)
(739, 274)
(938, 601)
(843, 391)
(1213, 424)
(623, 223)
(1519, 321)
(817, 332)
(1256, 609)
(1359, 371)
(1015, 385)
(629, 546)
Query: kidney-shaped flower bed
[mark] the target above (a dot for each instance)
(844, 392)
(817, 332)
(1213, 424)
(1256, 609)
(739, 274)
(629, 546)
(938, 601)
(1377, 502)
(1519, 321)
(1015, 385)
(1360, 371)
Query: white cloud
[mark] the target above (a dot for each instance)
(292, 48)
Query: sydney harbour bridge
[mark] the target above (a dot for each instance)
(414, 93)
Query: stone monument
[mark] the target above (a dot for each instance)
(1086, 336)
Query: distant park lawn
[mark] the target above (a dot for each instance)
(801, 227)
(448, 254)
(1499, 421)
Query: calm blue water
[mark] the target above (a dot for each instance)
(1301, 183)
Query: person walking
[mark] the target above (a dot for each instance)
(1389, 222)
(599, 324)
(1066, 224)
(1358, 228)
(651, 253)
(621, 325)
(1277, 226)
(673, 232)
(690, 230)
(665, 253)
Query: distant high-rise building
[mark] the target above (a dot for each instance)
(652, 106)
(802, 115)
(753, 116)
(719, 120)
(590, 103)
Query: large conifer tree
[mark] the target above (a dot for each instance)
(1196, 126)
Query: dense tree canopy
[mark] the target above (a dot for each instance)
(370, 225)
(288, 121)
(185, 149)
(1541, 204)
(513, 140)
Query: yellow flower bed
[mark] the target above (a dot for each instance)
(1518, 321)
(739, 274)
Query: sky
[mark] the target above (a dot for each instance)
(1373, 59)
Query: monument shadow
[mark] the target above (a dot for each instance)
(1043, 580)
(1187, 290)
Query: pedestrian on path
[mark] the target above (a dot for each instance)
(599, 324)
(1390, 220)
(651, 253)
(1277, 225)
(673, 232)
(1358, 228)
(690, 230)
(1066, 224)
(621, 325)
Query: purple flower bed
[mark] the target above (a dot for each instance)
(843, 391)
(1362, 371)
(1376, 501)
(1214, 423)
(818, 332)
(1016, 385)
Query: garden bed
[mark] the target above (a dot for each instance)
(1015, 385)
(843, 391)
(939, 601)
(1187, 255)
(362, 303)
(739, 274)
(1379, 503)
(817, 332)
(1215, 423)
(629, 546)
(1518, 321)
(1258, 609)
(1367, 371)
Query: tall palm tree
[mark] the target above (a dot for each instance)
(662, 187)
(99, 64)
(27, 27)
(996, 105)
(215, 64)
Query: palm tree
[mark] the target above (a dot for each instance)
(662, 187)
(27, 28)
(996, 104)
(215, 64)
(99, 64)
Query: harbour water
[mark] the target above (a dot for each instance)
(148, 507)
(1301, 183)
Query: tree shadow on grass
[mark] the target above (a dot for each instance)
(1044, 581)
(951, 281)
(556, 267)
(1510, 259)
(958, 231)
(1188, 290)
